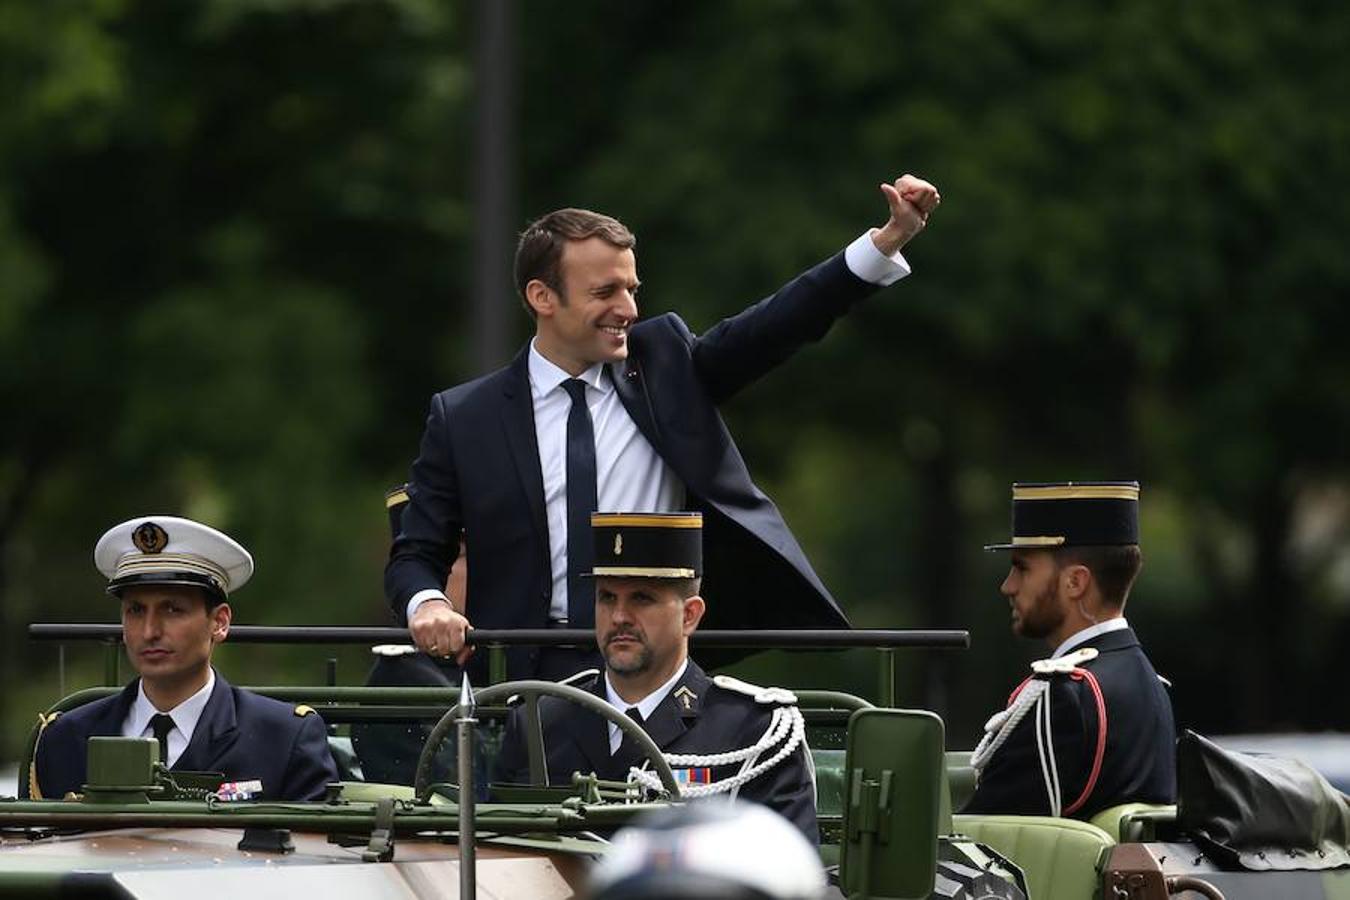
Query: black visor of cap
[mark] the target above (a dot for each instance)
(189, 579)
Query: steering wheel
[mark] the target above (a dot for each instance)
(530, 692)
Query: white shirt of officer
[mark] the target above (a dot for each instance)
(646, 706)
(629, 473)
(185, 717)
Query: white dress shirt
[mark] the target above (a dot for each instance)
(1087, 634)
(646, 706)
(630, 475)
(185, 717)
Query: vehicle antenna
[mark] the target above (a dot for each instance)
(465, 726)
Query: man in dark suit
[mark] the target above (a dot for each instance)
(647, 604)
(1092, 726)
(172, 576)
(601, 411)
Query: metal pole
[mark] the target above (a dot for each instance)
(492, 189)
(112, 655)
(496, 663)
(886, 665)
(465, 725)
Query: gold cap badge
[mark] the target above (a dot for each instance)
(149, 538)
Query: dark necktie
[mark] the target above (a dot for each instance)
(581, 502)
(629, 753)
(162, 724)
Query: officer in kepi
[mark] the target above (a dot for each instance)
(1092, 726)
(723, 737)
(173, 578)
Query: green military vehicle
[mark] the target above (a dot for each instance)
(885, 804)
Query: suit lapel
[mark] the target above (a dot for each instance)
(518, 422)
(110, 722)
(590, 734)
(632, 388)
(680, 709)
(674, 715)
(215, 732)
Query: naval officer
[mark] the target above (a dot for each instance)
(173, 578)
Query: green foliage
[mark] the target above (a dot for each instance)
(234, 238)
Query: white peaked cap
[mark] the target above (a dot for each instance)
(172, 550)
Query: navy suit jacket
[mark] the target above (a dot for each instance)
(244, 735)
(478, 472)
(714, 720)
(1139, 764)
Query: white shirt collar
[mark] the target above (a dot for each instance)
(546, 377)
(1087, 634)
(185, 715)
(648, 704)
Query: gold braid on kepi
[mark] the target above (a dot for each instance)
(647, 545)
(1073, 514)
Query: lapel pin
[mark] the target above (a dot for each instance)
(685, 696)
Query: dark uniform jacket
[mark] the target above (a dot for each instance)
(696, 716)
(1139, 763)
(478, 471)
(241, 734)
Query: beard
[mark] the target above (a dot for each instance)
(1044, 616)
(633, 661)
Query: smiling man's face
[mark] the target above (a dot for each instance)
(588, 321)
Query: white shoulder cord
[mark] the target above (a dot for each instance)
(786, 727)
(1034, 696)
(1045, 749)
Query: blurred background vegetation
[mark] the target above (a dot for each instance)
(237, 244)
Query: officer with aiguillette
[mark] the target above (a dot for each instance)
(721, 736)
(1092, 726)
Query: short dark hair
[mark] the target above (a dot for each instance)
(1114, 568)
(539, 252)
(686, 587)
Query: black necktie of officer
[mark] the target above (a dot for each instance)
(629, 752)
(581, 502)
(162, 724)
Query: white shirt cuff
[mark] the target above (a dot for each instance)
(421, 597)
(867, 262)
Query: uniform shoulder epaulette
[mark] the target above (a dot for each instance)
(34, 790)
(302, 710)
(584, 676)
(583, 679)
(393, 650)
(1063, 665)
(769, 696)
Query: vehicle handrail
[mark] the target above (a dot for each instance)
(779, 638)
